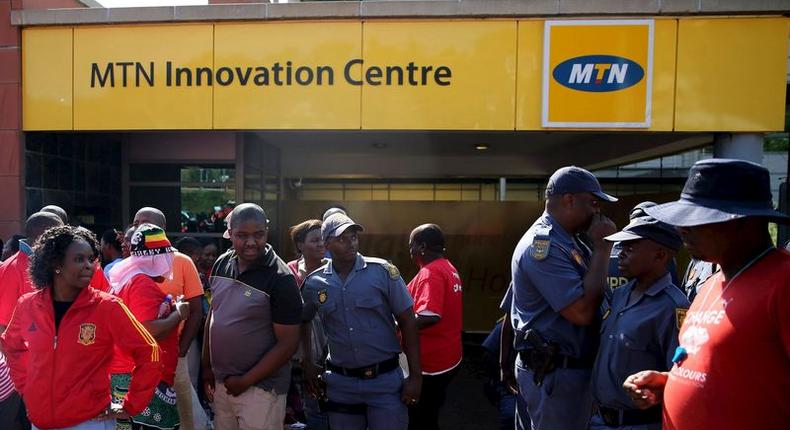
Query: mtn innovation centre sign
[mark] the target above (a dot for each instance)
(662, 74)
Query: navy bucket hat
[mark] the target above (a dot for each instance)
(719, 190)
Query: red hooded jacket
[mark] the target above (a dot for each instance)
(63, 376)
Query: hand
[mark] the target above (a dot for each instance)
(182, 308)
(208, 384)
(646, 388)
(114, 412)
(236, 385)
(509, 379)
(410, 393)
(600, 227)
(312, 380)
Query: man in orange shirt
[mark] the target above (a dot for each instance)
(731, 368)
(185, 282)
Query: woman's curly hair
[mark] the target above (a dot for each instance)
(50, 249)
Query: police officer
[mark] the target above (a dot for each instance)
(557, 289)
(640, 329)
(359, 299)
(615, 279)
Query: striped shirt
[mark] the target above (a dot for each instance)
(6, 385)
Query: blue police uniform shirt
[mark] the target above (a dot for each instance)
(641, 336)
(358, 314)
(548, 269)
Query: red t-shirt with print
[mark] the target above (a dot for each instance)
(437, 290)
(737, 337)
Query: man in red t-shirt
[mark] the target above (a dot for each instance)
(436, 291)
(732, 368)
(14, 277)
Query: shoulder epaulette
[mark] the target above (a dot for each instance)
(677, 296)
(389, 267)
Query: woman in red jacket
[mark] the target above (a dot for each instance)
(61, 339)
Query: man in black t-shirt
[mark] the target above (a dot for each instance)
(252, 328)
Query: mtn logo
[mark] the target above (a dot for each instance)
(598, 73)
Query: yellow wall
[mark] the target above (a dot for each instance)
(730, 75)
(481, 55)
(46, 85)
(133, 107)
(296, 107)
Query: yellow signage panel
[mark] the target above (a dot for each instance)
(438, 75)
(142, 77)
(597, 74)
(46, 82)
(287, 75)
(731, 74)
(423, 75)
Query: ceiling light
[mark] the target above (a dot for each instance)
(481, 146)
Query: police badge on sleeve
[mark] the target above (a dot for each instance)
(540, 249)
(393, 271)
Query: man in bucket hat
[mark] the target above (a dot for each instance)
(731, 369)
(640, 324)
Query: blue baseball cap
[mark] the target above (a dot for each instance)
(647, 227)
(336, 224)
(719, 190)
(572, 179)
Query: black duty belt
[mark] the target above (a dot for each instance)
(367, 372)
(630, 417)
(560, 361)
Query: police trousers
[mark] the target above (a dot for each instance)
(379, 398)
(562, 402)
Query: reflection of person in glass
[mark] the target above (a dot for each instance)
(87, 326)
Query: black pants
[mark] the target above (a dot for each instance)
(425, 415)
(13, 415)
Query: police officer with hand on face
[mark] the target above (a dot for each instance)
(359, 300)
(558, 284)
(640, 327)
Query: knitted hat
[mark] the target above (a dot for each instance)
(149, 239)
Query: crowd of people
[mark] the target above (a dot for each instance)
(131, 332)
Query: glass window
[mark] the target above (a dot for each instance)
(195, 199)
